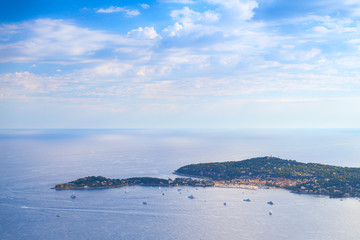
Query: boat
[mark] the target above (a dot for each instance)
(270, 212)
(224, 203)
(144, 203)
(73, 196)
(191, 197)
(247, 200)
(270, 202)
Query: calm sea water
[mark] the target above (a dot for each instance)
(33, 161)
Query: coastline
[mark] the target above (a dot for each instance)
(216, 185)
(252, 174)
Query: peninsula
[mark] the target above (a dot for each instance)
(102, 182)
(308, 178)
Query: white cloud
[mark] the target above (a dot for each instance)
(201, 56)
(311, 54)
(321, 29)
(230, 59)
(189, 21)
(352, 6)
(110, 9)
(27, 84)
(144, 33)
(132, 12)
(174, 30)
(337, 28)
(145, 6)
(9, 29)
(229, 18)
(178, 57)
(59, 39)
(233, 50)
(115, 79)
(113, 9)
(177, 1)
(243, 9)
(300, 56)
(188, 16)
(354, 41)
(113, 69)
(153, 71)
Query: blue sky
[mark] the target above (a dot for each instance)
(180, 63)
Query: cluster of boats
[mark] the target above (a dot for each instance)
(73, 196)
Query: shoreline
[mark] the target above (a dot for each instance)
(262, 172)
(216, 185)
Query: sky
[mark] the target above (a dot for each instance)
(180, 64)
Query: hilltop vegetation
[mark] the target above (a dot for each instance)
(311, 178)
(299, 177)
(93, 182)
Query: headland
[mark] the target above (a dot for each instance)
(262, 172)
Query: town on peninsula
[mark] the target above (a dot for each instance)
(262, 172)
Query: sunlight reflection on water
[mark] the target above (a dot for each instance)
(33, 161)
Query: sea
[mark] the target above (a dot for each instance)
(33, 161)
